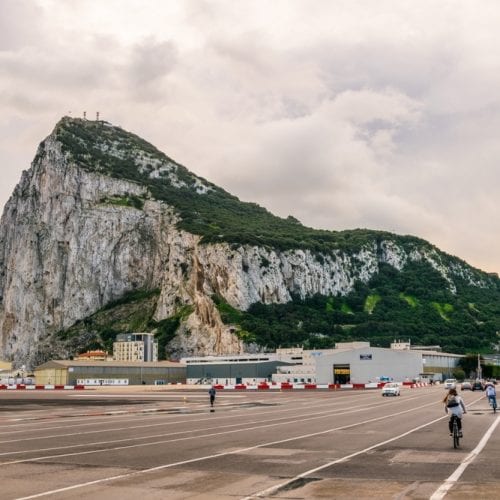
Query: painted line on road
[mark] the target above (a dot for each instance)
(318, 415)
(341, 407)
(275, 489)
(452, 480)
(27, 421)
(233, 452)
(135, 419)
(156, 396)
(90, 419)
(322, 414)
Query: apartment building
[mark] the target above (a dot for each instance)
(135, 347)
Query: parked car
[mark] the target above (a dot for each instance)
(466, 386)
(477, 385)
(450, 383)
(391, 389)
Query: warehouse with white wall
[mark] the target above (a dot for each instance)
(367, 364)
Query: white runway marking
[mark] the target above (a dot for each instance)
(255, 412)
(157, 396)
(240, 450)
(36, 459)
(310, 416)
(276, 488)
(452, 480)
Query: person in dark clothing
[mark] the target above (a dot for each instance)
(211, 393)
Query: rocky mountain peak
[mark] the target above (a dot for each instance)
(102, 214)
(101, 147)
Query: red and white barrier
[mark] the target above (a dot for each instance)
(286, 386)
(264, 386)
(44, 387)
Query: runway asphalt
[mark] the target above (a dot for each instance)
(167, 444)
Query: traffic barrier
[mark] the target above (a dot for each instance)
(260, 386)
(42, 387)
(311, 386)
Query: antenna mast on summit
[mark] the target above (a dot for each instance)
(97, 116)
(84, 115)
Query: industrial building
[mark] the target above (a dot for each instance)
(367, 364)
(436, 365)
(357, 362)
(5, 366)
(236, 369)
(349, 362)
(77, 372)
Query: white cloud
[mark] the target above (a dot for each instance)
(342, 113)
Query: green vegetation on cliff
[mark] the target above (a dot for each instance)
(412, 304)
(131, 313)
(214, 213)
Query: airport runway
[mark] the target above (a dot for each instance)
(134, 443)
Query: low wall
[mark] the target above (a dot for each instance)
(44, 387)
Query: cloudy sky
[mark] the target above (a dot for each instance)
(345, 114)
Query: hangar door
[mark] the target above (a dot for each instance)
(342, 374)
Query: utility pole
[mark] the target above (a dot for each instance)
(479, 374)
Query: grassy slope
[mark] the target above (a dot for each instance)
(415, 303)
(216, 215)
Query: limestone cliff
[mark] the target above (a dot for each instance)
(86, 225)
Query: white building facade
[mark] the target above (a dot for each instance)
(363, 365)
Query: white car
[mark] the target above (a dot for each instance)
(450, 383)
(391, 389)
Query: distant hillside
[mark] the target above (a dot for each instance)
(104, 234)
(414, 303)
(204, 208)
